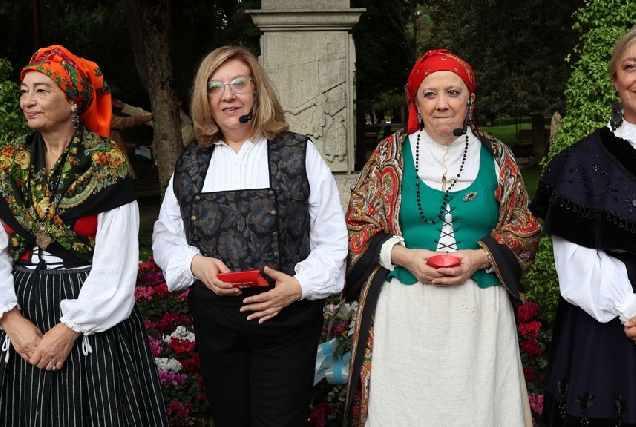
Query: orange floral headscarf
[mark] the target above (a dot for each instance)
(81, 80)
(430, 62)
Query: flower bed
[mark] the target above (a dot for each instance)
(171, 336)
(532, 341)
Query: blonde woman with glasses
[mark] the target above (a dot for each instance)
(252, 225)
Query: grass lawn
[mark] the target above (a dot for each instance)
(531, 178)
(506, 134)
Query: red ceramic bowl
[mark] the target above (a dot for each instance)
(444, 260)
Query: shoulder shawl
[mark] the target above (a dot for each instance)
(587, 194)
(93, 178)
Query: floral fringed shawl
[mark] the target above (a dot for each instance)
(373, 217)
(89, 178)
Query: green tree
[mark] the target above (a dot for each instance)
(12, 123)
(149, 29)
(589, 94)
(517, 49)
(518, 52)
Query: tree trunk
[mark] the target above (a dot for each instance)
(539, 137)
(149, 30)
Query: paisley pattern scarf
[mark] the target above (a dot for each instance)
(89, 177)
(373, 216)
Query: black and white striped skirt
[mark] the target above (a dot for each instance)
(114, 385)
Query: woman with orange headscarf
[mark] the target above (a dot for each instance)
(74, 348)
(435, 341)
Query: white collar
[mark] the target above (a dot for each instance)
(627, 131)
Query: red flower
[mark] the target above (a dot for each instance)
(530, 329)
(527, 312)
(177, 410)
(180, 346)
(528, 374)
(161, 289)
(169, 321)
(318, 414)
(531, 348)
(193, 364)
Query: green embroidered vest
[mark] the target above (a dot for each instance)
(474, 213)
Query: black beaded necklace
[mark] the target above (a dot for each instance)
(445, 199)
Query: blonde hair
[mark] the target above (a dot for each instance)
(619, 50)
(269, 118)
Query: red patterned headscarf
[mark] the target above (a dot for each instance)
(430, 62)
(81, 80)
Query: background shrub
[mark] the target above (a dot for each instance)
(589, 96)
(12, 122)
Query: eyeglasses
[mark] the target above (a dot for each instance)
(239, 85)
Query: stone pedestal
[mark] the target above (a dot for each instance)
(308, 52)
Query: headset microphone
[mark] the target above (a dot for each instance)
(247, 117)
(460, 131)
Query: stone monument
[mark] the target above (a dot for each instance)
(308, 52)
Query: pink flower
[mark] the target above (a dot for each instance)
(178, 410)
(169, 321)
(171, 379)
(536, 403)
(156, 345)
(183, 296)
(143, 293)
(340, 328)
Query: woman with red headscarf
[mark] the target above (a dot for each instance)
(74, 348)
(436, 344)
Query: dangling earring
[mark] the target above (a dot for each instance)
(420, 121)
(75, 118)
(617, 116)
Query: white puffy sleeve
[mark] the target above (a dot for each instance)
(170, 248)
(322, 272)
(8, 299)
(108, 294)
(593, 280)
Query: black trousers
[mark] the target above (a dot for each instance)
(255, 376)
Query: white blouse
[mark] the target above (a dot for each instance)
(591, 279)
(108, 294)
(320, 274)
(435, 161)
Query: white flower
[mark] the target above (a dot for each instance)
(347, 310)
(168, 365)
(180, 333)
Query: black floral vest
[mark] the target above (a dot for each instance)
(248, 229)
